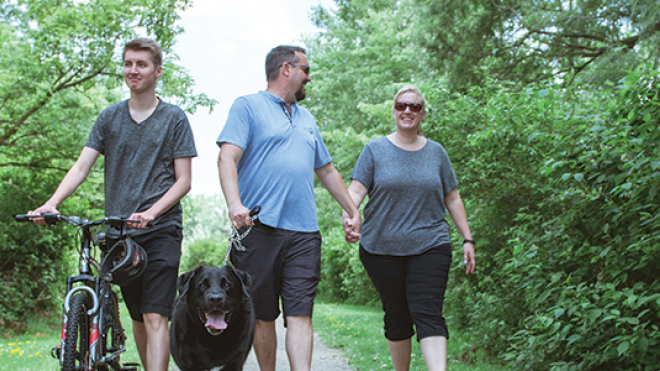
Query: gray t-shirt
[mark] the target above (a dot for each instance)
(405, 213)
(139, 159)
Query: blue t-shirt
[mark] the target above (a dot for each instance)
(280, 153)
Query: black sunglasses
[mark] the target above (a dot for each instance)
(304, 68)
(414, 107)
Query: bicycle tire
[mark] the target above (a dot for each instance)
(76, 342)
(113, 336)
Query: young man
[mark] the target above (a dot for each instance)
(269, 150)
(148, 147)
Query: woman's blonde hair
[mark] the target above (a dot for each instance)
(410, 89)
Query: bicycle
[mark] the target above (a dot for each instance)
(92, 335)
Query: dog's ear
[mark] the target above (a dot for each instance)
(244, 278)
(184, 280)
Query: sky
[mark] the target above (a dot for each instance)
(224, 48)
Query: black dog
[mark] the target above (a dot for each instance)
(213, 320)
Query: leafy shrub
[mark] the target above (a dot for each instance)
(343, 278)
(206, 252)
(35, 259)
(561, 188)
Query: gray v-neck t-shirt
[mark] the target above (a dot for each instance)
(405, 213)
(139, 159)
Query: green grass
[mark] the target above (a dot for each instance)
(355, 329)
(358, 330)
(31, 350)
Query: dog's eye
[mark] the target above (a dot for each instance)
(225, 284)
(203, 284)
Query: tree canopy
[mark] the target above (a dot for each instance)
(528, 40)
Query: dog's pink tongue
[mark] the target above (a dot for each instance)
(216, 321)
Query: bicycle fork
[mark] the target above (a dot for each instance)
(60, 351)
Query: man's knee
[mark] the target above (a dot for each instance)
(155, 321)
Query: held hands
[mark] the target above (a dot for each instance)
(351, 227)
(469, 257)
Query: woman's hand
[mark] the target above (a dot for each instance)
(469, 257)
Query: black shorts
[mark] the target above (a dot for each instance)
(155, 290)
(284, 264)
(412, 291)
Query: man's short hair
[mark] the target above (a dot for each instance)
(277, 56)
(142, 43)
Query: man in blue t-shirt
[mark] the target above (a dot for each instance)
(270, 149)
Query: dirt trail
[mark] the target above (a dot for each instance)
(323, 358)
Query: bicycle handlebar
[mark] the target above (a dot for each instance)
(76, 221)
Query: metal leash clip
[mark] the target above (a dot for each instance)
(236, 238)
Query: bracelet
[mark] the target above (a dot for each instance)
(468, 241)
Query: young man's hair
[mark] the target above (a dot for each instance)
(276, 58)
(142, 43)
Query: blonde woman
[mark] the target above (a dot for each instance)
(404, 241)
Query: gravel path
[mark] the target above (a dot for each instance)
(323, 358)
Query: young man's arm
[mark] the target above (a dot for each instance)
(182, 185)
(333, 182)
(228, 159)
(73, 179)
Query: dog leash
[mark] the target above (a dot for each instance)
(236, 238)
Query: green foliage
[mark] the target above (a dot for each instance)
(343, 277)
(532, 41)
(365, 52)
(59, 66)
(205, 218)
(206, 252)
(206, 231)
(358, 330)
(561, 186)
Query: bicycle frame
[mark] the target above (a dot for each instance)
(99, 291)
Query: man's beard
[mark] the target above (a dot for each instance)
(300, 94)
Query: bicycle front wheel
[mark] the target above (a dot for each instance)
(76, 341)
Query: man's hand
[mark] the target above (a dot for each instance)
(240, 216)
(144, 217)
(44, 209)
(351, 226)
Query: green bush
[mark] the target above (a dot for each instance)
(206, 252)
(343, 278)
(35, 259)
(561, 187)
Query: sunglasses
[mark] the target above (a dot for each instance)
(304, 68)
(414, 107)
